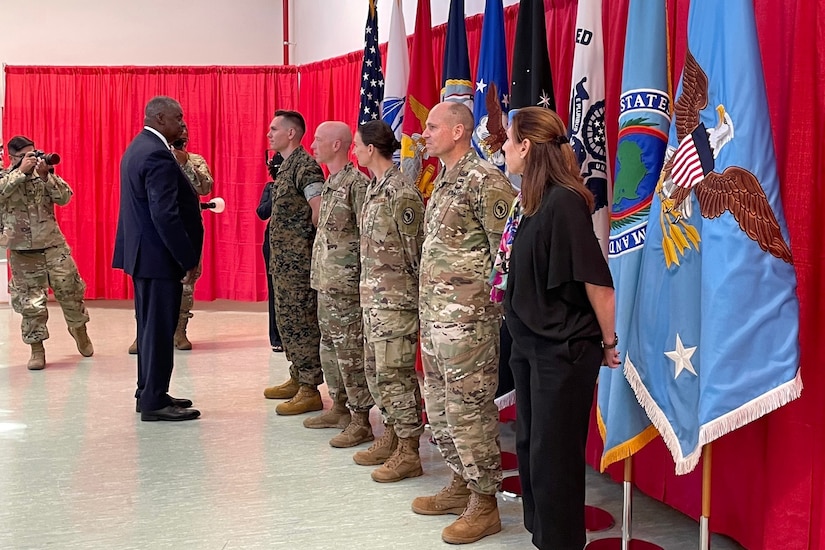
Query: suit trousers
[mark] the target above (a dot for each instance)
(554, 392)
(157, 304)
(274, 335)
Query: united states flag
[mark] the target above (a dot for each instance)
(372, 77)
(693, 159)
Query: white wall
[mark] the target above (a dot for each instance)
(329, 28)
(142, 32)
(194, 32)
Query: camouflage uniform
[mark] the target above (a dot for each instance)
(291, 237)
(335, 273)
(198, 173)
(391, 235)
(39, 257)
(460, 325)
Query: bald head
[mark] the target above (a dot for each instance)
(448, 131)
(336, 130)
(457, 114)
(332, 143)
(165, 115)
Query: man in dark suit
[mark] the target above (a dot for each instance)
(158, 243)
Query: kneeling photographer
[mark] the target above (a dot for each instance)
(39, 256)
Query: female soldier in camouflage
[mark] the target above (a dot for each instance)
(391, 237)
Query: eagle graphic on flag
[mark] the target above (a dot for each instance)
(715, 343)
(690, 169)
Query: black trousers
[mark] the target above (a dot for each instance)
(505, 375)
(554, 392)
(157, 305)
(274, 335)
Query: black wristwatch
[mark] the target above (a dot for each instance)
(613, 345)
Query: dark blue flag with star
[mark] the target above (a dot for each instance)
(532, 82)
(372, 77)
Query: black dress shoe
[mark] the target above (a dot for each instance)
(182, 403)
(170, 414)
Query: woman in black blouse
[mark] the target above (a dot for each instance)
(559, 307)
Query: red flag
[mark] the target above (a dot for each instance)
(422, 95)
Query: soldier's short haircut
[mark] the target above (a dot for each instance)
(295, 119)
(18, 143)
(158, 105)
(461, 114)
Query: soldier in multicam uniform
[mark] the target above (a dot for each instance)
(391, 236)
(296, 200)
(196, 169)
(40, 257)
(460, 326)
(336, 269)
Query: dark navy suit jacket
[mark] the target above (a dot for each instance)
(159, 231)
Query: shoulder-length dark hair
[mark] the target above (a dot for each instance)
(550, 160)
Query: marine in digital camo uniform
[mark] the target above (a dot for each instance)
(39, 256)
(460, 326)
(296, 199)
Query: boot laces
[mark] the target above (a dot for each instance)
(471, 505)
(450, 489)
(382, 441)
(350, 429)
(395, 459)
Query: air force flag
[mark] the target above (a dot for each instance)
(491, 78)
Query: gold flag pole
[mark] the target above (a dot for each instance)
(704, 520)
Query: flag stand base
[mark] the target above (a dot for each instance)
(616, 543)
(597, 519)
(626, 541)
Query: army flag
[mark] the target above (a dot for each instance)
(716, 345)
(456, 85)
(491, 79)
(644, 119)
(372, 77)
(398, 71)
(587, 127)
(422, 95)
(532, 83)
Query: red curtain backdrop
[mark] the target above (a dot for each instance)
(90, 114)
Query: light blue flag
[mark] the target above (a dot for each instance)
(714, 343)
(644, 120)
(491, 74)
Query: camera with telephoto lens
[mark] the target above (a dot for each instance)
(51, 159)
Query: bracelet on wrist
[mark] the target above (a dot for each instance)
(615, 343)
